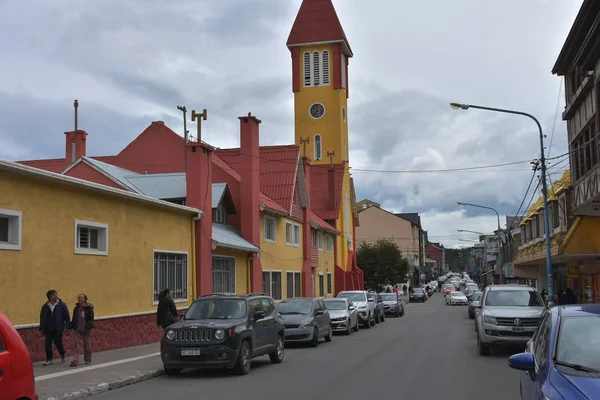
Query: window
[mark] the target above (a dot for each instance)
(272, 284)
(11, 227)
(296, 235)
(270, 229)
(320, 240)
(321, 285)
(313, 236)
(171, 271)
(220, 214)
(318, 147)
(555, 207)
(267, 305)
(91, 238)
(540, 342)
(223, 274)
(293, 284)
(343, 66)
(289, 233)
(329, 291)
(329, 243)
(316, 68)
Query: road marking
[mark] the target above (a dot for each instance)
(92, 367)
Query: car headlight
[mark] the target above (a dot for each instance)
(170, 334)
(489, 320)
(219, 334)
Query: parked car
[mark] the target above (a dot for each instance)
(16, 371)
(473, 303)
(456, 298)
(392, 304)
(509, 314)
(366, 306)
(224, 331)
(343, 314)
(562, 360)
(448, 288)
(417, 294)
(306, 320)
(379, 307)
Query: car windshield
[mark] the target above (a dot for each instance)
(335, 305)
(476, 296)
(456, 294)
(353, 296)
(417, 290)
(217, 309)
(513, 298)
(389, 297)
(295, 307)
(579, 342)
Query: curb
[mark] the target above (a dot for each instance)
(106, 386)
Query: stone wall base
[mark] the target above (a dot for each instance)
(108, 334)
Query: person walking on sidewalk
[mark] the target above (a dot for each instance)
(404, 290)
(82, 325)
(54, 319)
(166, 314)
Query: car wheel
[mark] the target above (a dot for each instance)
(377, 318)
(484, 349)
(398, 313)
(172, 371)
(315, 338)
(382, 317)
(244, 360)
(402, 315)
(348, 327)
(277, 355)
(357, 327)
(329, 335)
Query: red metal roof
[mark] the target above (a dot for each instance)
(317, 22)
(278, 167)
(320, 190)
(320, 223)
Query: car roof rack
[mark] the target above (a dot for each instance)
(256, 294)
(216, 294)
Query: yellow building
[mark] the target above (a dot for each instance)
(74, 236)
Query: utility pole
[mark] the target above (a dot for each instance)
(185, 133)
(76, 106)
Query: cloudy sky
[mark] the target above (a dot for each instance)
(131, 62)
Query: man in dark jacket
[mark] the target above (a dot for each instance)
(54, 319)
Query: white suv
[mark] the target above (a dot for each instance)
(366, 306)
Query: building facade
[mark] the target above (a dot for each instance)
(119, 248)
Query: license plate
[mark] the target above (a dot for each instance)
(190, 352)
(518, 329)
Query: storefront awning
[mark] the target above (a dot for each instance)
(227, 237)
(583, 239)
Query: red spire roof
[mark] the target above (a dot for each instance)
(318, 22)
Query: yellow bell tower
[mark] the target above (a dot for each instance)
(320, 53)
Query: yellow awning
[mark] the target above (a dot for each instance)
(583, 237)
(564, 183)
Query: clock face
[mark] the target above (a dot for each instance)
(317, 110)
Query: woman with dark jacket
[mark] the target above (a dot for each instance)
(166, 314)
(82, 325)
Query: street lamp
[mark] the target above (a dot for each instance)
(459, 106)
(467, 231)
(478, 206)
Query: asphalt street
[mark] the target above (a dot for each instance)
(429, 353)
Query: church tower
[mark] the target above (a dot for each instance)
(320, 53)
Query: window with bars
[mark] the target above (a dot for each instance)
(329, 283)
(91, 238)
(223, 274)
(307, 70)
(325, 67)
(293, 284)
(171, 272)
(321, 285)
(317, 69)
(318, 147)
(272, 284)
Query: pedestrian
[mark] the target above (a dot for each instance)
(388, 290)
(396, 290)
(166, 313)
(404, 290)
(54, 319)
(82, 325)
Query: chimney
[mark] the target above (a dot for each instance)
(250, 191)
(75, 145)
(199, 195)
(307, 237)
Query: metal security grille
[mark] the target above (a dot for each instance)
(325, 64)
(524, 322)
(223, 274)
(171, 271)
(193, 335)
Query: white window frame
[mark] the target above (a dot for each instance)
(274, 221)
(289, 234)
(15, 229)
(343, 67)
(234, 271)
(102, 238)
(329, 243)
(186, 279)
(297, 235)
(329, 283)
(320, 240)
(270, 292)
(318, 146)
(319, 65)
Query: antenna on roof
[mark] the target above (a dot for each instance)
(200, 117)
(75, 106)
(331, 154)
(304, 141)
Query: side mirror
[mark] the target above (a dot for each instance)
(319, 312)
(522, 362)
(476, 304)
(259, 314)
(371, 300)
(352, 308)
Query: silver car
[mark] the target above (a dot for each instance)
(392, 304)
(508, 314)
(306, 320)
(343, 314)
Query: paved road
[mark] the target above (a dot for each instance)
(429, 353)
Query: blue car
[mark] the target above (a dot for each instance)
(562, 360)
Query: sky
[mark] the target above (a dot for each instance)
(131, 63)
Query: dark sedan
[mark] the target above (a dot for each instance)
(417, 294)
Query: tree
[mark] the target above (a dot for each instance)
(382, 263)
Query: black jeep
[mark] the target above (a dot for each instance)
(221, 330)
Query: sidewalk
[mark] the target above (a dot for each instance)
(108, 370)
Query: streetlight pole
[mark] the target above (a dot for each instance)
(458, 106)
(500, 255)
(484, 259)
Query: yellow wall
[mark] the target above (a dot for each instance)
(584, 238)
(332, 128)
(326, 264)
(343, 246)
(241, 268)
(119, 283)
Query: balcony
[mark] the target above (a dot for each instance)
(586, 193)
